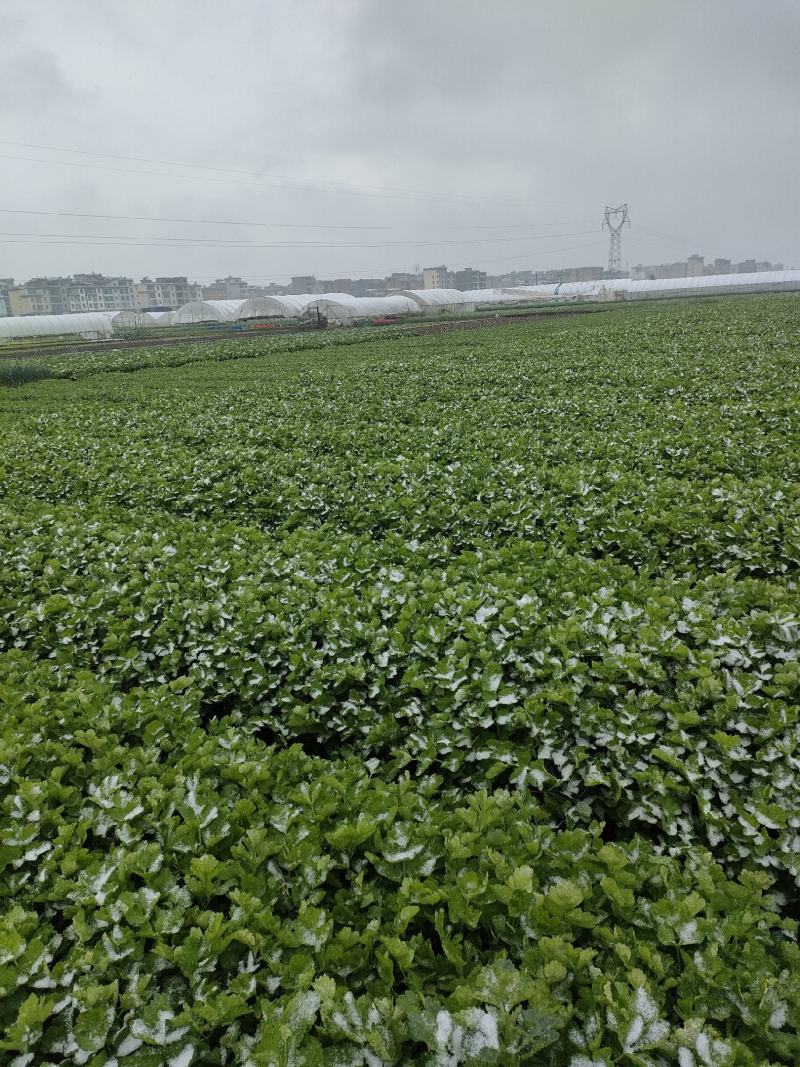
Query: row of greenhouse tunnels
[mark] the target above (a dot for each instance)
(342, 308)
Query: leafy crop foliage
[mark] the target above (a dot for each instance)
(427, 701)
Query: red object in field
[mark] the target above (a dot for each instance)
(265, 326)
(386, 320)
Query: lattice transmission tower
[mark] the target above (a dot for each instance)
(615, 218)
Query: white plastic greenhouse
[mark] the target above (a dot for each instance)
(91, 324)
(771, 281)
(491, 296)
(439, 301)
(275, 307)
(134, 318)
(340, 307)
(207, 311)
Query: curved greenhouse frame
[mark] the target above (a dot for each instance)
(532, 292)
(339, 308)
(439, 301)
(275, 307)
(133, 318)
(206, 311)
(492, 296)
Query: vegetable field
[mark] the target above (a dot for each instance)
(406, 700)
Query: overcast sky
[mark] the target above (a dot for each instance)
(373, 137)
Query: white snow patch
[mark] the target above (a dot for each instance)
(33, 853)
(191, 797)
(634, 1033)
(778, 1017)
(99, 882)
(444, 1028)
(485, 1032)
(305, 1008)
(158, 1034)
(403, 854)
(645, 1005)
(128, 1045)
(184, 1057)
(687, 935)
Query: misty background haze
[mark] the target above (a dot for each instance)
(370, 138)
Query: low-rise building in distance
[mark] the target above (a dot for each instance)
(304, 283)
(40, 296)
(165, 294)
(696, 267)
(468, 278)
(96, 292)
(399, 281)
(437, 278)
(227, 289)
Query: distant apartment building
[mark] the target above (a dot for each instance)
(266, 290)
(659, 270)
(337, 285)
(512, 278)
(6, 284)
(573, 274)
(369, 287)
(469, 278)
(304, 283)
(588, 274)
(696, 267)
(96, 292)
(161, 294)
(553, 276)
(31, 300)
(398, 281)
(227, 289)
(437, 278)
(40, 296)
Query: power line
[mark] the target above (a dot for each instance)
(266, 182)
(388, 190)
(665, 236)
(224, 170)
(547, 252)
(209, 222)
(278, 225)
(113, 240)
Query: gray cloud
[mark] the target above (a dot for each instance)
(491, 115)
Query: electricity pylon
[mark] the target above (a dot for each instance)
(615, 218)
